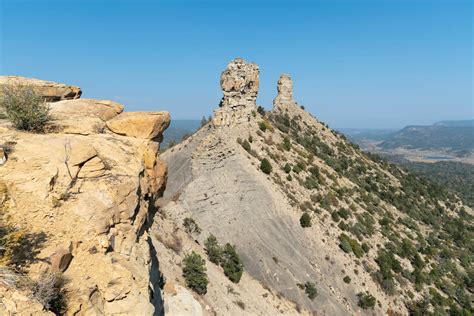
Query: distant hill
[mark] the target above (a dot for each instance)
(462, 123)
(179, 129)
(454, 175)
(453, 136)
(376, 134)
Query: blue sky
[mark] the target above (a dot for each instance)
(354, 63)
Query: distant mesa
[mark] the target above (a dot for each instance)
(239, 82)
(50, 91)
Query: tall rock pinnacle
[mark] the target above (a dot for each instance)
(239, 82)
(285, 92)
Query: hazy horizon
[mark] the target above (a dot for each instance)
(354, 64)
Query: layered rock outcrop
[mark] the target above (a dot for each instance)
(239, 82)
(51, 91)
(89, 194)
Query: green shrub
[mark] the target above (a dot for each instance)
(194, 272)
(335, 217)
(246, 145)
(190, 226)
(348, 245)
(24, 108)
(231, 263)
(286, 144)
(266, 166)
(262, 126)
(310, 290)
(296, 169)
(344, 213)
(261, 110)
(213, 249)
(287, 168)
(366, 300)
(289, 178)
(347, 279)
(344, 243)
(305, 220)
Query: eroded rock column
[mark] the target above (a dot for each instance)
(239, 82)
(285, 92)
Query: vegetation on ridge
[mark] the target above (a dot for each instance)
(428, 229)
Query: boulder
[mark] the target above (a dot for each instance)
(181, 302)
(83, 116)
(147, 125)
(50, 91)
(102, 109)
(60, 260)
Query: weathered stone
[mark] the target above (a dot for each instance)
(285, 91)
(150, 154)
(170, 289)
(51, 91)
(158, 175)
(182, 303)
(3, 156)
(147, 125)
(92, 168)
(80, 153)
(60, 260)
(239, 82)
(102, 109)
(83, 116)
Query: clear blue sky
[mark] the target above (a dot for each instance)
(354, 63)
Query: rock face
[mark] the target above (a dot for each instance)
(146, 125)
(239, 82)
(83, 116)
(92, 197)
(285, 92)
(3, 156)
(51, 91)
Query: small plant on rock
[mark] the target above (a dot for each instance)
(49, 291)
(191, 227)
(24, 108)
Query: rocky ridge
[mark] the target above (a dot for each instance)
(82, 198)
(365, 215)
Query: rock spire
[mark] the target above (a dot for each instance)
(285, 92)
(239, 82)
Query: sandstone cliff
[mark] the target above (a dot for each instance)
(82, 198)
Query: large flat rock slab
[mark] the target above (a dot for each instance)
(49, 90)
(146, 125)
